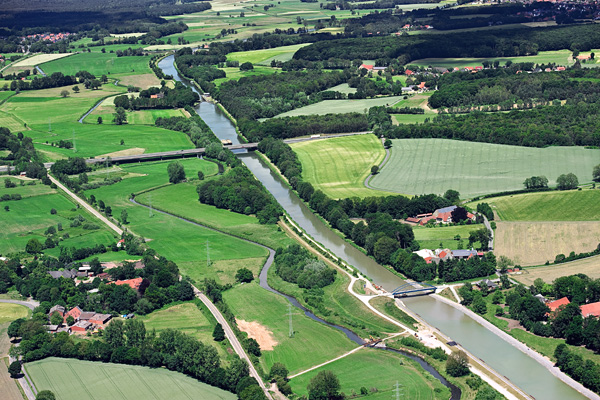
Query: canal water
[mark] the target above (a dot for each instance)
(522, 370)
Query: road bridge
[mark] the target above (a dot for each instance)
(413, 289)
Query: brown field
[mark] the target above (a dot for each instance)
(127, 152)
(588, 266)
(143, 80)
(534, 243)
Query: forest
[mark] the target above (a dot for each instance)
(296, 265)
(161, 98)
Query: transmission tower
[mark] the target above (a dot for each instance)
(289, 313)
(397, 391)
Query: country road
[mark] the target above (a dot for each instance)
(31, 304)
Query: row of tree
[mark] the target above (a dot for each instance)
(163, 97)
(21, 154)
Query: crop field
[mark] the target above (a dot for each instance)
(186, 318)
(182, 199)
(339, 166)
(430, 238)
(98, 64)
(264, 57)
(235, 73)
(251, 303)
(30, 217)
(177, 240)
(568, 205)
(10, 312)
(341, 106)
(72, 379)
(560, 57)
(40, 59)
(588, 266)
(140, 117)
(11, 122)
(534, 243)
(419, 166)
(371, 368)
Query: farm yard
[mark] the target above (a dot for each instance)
(71, 379)
(340, 166)
(379, 370)
(420, 166)
(98, 64)
(534, 243)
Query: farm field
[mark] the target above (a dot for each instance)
(430, 238)
(253, 304)
(99, 64)
(569, 205)
(560, 57)
(534, 243)
(371, 368)
(416, 167)
(182, 199)
(40, 59)
(340, 166)
(177, 240)
(30, 217)
(341, 106)
(8, 313)
(71, 379)
(140, 117)
(186, 318)
(235, 73)
(589, 266)
(264, 57)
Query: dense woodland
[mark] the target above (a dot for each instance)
(21, 154)
(164, 97)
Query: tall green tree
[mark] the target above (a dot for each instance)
(324, 386)
(176, 172)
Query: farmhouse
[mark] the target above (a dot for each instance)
(133, 283)
(67, 273)
(554, 305)
(81, 326)
(435, 256)
(592, 309)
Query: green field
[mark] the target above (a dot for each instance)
(264, 57)
(571, 205)
(72, 379)
(340, 166)
(235, 73)
(177, 240)
(10, 312)
(371, 368)
(419, 166)
(140, 117)
(313, 343)
(98, 64)
(430, 238)
(186, 318)
(341, 106)
(182, 199)
(30, 217)
(560, 57)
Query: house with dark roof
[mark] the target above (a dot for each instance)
(100, 319)
(59, 309)
(491, 285)
(67, 273)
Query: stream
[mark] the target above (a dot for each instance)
(522, 370)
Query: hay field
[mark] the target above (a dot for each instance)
(534, 243)
(39, 59)
(419, 166)
(72, 379)
(340, 166)
(341, 106)
(588, 266)
(283, 53)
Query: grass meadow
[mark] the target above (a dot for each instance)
(419, 166)
(99, 64)
(430, 238)
(372, 368)
(186, 318)
(568, 205)
(264, 57)
(30, 217)
(177, 240)
(10, 312)
(341, 106)
(72, 379)
(235, 73)
(313, 343)
(340, 166)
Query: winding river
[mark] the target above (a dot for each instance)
(522, 370)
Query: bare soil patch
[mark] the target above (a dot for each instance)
(127, 152)
(534, 243)
(256, 331)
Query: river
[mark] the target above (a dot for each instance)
(522, 370)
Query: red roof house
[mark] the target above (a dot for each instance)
(408, 72)
(74, 312)
(134, 283)
(590, 309)
(366, 66)
(554, 305)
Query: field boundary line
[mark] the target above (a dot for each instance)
(81, 381)
(113, 383)
(326, 362)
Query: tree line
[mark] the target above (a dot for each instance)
(161, 98)
(21, 154)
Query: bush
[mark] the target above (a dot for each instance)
(53, 211)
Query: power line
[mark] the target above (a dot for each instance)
(397, 391)
(207, 254)
(289, 313)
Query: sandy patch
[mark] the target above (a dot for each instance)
(256, 331)
(127, 152)
(39, 59)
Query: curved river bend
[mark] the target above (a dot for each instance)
(522, 370)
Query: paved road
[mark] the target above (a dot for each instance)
(235, 343)
(91, 209)
(31, 304)
(531, 353)
(387, 156)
